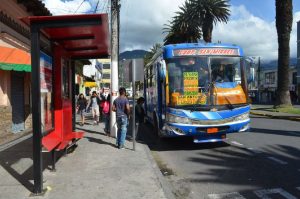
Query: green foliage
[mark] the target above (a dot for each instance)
(195, 17)
(153, 50)
(289, 109)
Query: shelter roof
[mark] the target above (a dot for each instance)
(82, 36)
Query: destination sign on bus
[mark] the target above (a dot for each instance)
(206, 51)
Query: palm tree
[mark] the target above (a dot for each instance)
(284, 20)
(153, 50)
(210, 12)
(183, 28)
(194, 16)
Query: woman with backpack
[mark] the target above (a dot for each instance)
(106, 113)
(81, 107)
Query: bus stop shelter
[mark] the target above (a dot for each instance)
(71, 37)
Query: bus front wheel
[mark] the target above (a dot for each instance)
(155, 125)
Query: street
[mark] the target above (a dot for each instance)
(261, 163)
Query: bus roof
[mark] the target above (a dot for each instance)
(192, 49)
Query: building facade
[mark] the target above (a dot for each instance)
(15, 68)
(105, 72)
(268, 84)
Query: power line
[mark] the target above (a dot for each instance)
(79, 6)
(96, 7)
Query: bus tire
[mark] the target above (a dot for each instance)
(155, 126)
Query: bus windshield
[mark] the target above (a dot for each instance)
(203, 81)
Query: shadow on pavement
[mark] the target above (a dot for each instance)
(275, 132)
(99, 141)
(243, 168)
(18, 162)
(145, 135)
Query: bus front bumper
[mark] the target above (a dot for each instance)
(213, 132)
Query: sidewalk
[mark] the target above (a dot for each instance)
(262, 110)
(96, 169)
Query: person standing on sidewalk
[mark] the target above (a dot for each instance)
(81, 108)
(102, 100)
(106, 114)
(139, 110)
(94, 104)
(122, 109)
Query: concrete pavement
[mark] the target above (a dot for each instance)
(96, 169)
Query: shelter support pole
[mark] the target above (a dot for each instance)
(36, 111)
(114, 62)
(73, 94)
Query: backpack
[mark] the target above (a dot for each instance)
(106, 107)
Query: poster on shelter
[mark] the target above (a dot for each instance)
(46, 92)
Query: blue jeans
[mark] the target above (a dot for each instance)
(106, 120)
(122, 130)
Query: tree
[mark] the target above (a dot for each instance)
(210, 12)
(284, 20)
(194, 16)
(184, 28)
(153, 50)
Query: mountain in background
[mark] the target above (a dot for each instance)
(273, 64)
(134, 54)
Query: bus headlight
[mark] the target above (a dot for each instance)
(244, 116)
(175, 119)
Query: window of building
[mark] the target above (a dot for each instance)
(270, 78)
(106, 76)
(106, 66)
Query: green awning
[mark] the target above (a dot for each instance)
(15, 67)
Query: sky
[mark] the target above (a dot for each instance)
(251, 24)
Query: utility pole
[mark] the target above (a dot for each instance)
(115, 11)
(258, 80)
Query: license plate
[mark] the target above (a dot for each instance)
(212, 130)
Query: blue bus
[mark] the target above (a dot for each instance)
(198, 90)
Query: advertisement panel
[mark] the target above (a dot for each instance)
(46, 81)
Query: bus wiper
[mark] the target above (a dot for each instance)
(229, 105)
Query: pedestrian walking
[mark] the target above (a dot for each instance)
(106, 113)
(102, 100)
(122, 109)
(94, 105)
(81, 108)
(139, 110)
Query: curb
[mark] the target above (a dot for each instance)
(291, 118)
(164, 184)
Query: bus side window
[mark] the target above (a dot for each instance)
(148, 78)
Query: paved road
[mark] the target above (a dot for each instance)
(263, 163)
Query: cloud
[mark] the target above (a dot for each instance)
(58, 7)
(141, 24)
(256, 36)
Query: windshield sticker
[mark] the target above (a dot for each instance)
(191, 99)
(206, 51)
(190, 83)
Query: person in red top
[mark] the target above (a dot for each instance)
(106, 113)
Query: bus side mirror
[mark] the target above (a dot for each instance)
(162, 70)
(251, 75)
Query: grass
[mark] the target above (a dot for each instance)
(286, 110)
(291, 110)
